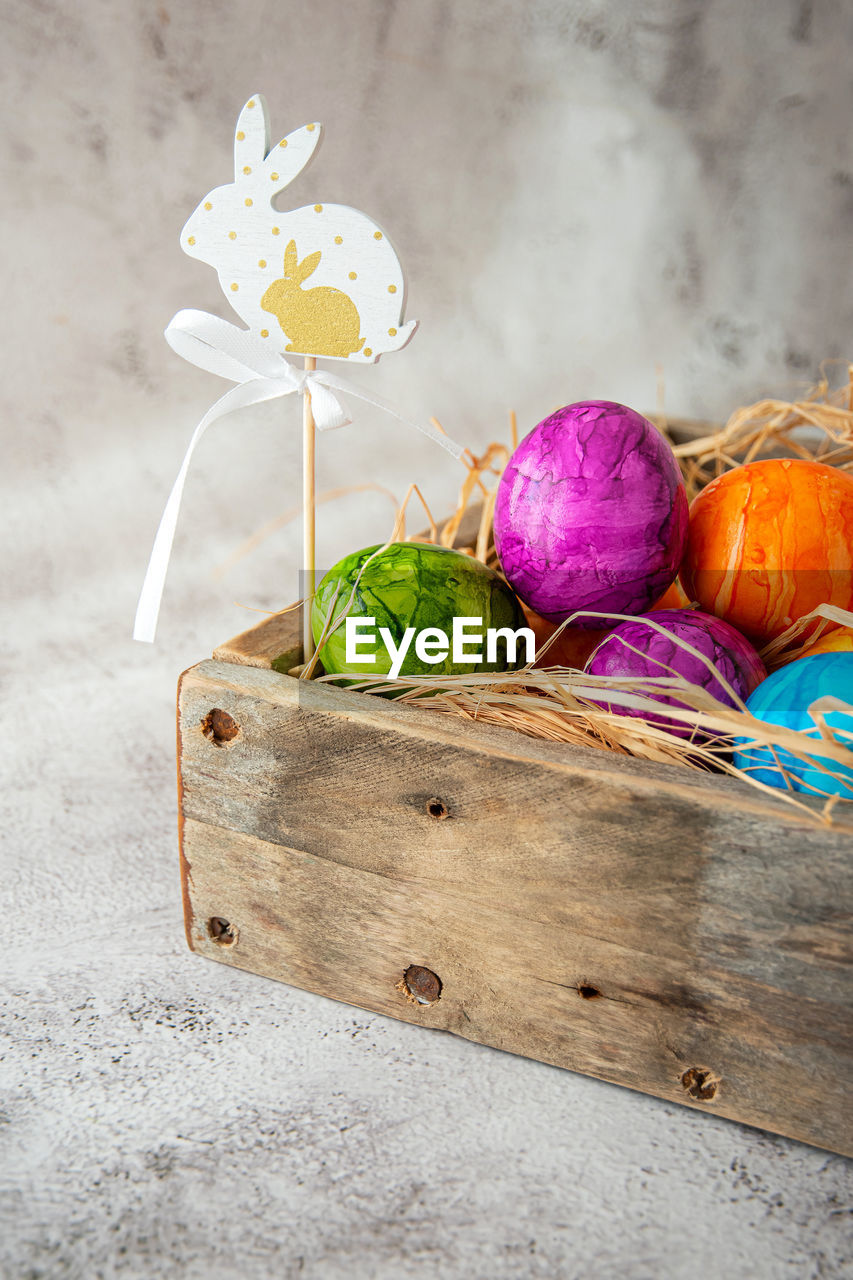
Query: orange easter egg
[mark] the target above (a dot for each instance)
(838, 641)
(770, 541)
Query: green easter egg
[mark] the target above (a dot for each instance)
(413, 585)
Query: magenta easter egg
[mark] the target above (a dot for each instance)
(638, 649)
(591, 513)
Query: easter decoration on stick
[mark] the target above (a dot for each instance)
(321, 281)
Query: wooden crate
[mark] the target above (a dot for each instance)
(677, 933)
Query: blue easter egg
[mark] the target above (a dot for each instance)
(783, 699)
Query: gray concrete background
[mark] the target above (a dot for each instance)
(580, 192)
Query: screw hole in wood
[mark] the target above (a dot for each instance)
(700, 1083)
(437, 808)
(219, 728)
(421, 984)
(221, 931)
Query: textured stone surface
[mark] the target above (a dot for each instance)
(591, 513)
(164, 1117)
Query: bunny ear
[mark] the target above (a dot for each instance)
(291, 260)
(252, 138)
(309, 264)
(289, 157)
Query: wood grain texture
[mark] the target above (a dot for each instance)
(659, 929)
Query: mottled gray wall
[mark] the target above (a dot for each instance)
(581, 192)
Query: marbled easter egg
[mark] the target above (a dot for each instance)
(639, 649)
(411, 585)
(769, 541)
(591, 513)
(784, 700)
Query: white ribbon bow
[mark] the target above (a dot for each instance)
(220, 347)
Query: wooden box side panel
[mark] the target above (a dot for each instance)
(590, 840)
(598, 914)
(511, 983)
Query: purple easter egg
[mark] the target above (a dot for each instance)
(591, 513)
(636, 649)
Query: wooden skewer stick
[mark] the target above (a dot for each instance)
(308, 528)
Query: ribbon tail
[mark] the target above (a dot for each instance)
(426, 428)
(148, 608)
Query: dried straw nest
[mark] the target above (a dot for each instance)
(561, 704)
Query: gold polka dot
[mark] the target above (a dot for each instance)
(251, 102)
(283, 142)
(262, 262)
(247, 168)
(352, 275)
(318, 208)
(392, 333)
(339, 239)
(248, 202)
(368, 351)
(273, 177)
(265, 333)
(234, 288)
(392, 288)
(310, 127)
(241, 137)
(232, 235)
(377, 235)
(208, 205)
(191, 240)
(276, 230)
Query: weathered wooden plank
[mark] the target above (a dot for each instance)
(713, 920)
(276, 642)
(508, 981)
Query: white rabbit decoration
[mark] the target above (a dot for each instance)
(322, 280)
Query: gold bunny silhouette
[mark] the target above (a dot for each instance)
(322, 321)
